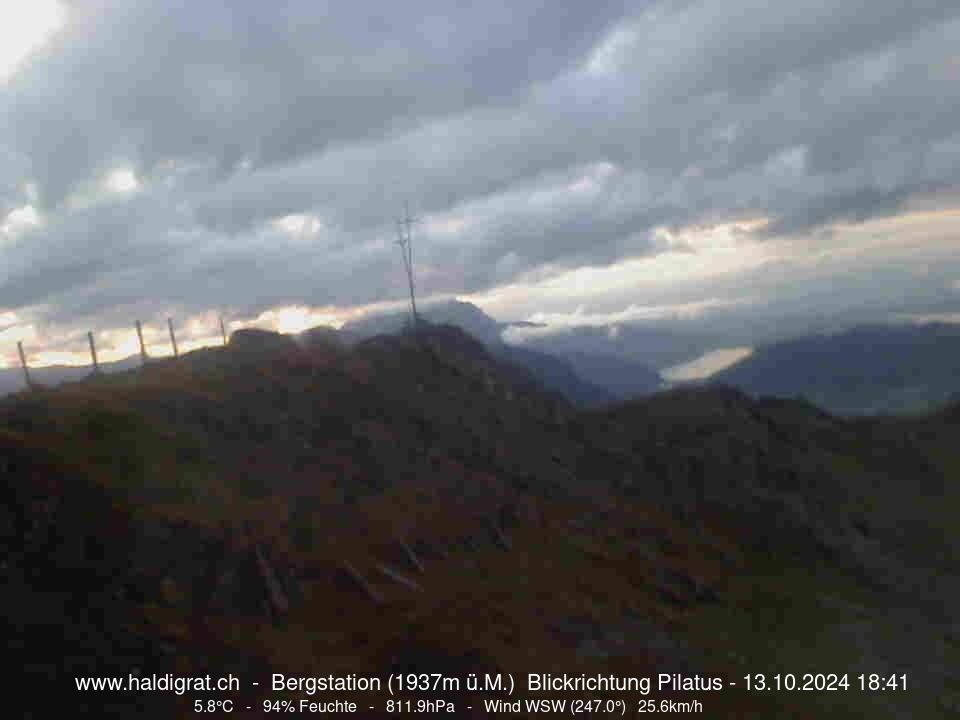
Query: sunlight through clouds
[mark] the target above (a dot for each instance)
(647, 160)
(24, 27)
(295, 319)
(122, 180)
(19, 220)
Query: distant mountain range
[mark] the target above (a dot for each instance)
(584, 378)
(867, 370)
(654, 347)
(12, 380)
(881, 369)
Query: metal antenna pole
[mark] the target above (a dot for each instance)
(173, 337)
(405, 241)
(93, 353)
(143, 347)
(23, 363)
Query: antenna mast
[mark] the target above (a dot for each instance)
(405, 241)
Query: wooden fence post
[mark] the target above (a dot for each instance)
(26, 368)
(93, 353)
(143, 347)
(173, 338)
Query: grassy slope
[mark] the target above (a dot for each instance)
(328, 457)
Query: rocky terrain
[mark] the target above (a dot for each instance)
(291, 504)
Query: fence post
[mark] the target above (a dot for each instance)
(143, 347)
(173, 338)
(93, 353)
(23, 363)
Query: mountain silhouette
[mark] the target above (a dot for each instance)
(586, 379)
(882, 369)
(416, 503)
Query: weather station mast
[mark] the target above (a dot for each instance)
(405, 241)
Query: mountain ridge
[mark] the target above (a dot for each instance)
(289, 506)
(585, 379)
(869, 369)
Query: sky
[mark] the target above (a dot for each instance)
(760, 168)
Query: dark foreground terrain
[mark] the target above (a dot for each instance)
(288, 505)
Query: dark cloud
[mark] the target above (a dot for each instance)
(856, 206)
(541, 135)
(146, 82)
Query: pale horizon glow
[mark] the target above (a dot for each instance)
(551, 323)
(929, 318)
(195, 332)
(730, 253)
(692, 256)
(706, 365)
(297, 318)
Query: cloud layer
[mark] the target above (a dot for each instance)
(180, 157)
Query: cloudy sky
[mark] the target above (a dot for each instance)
(754, 165)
